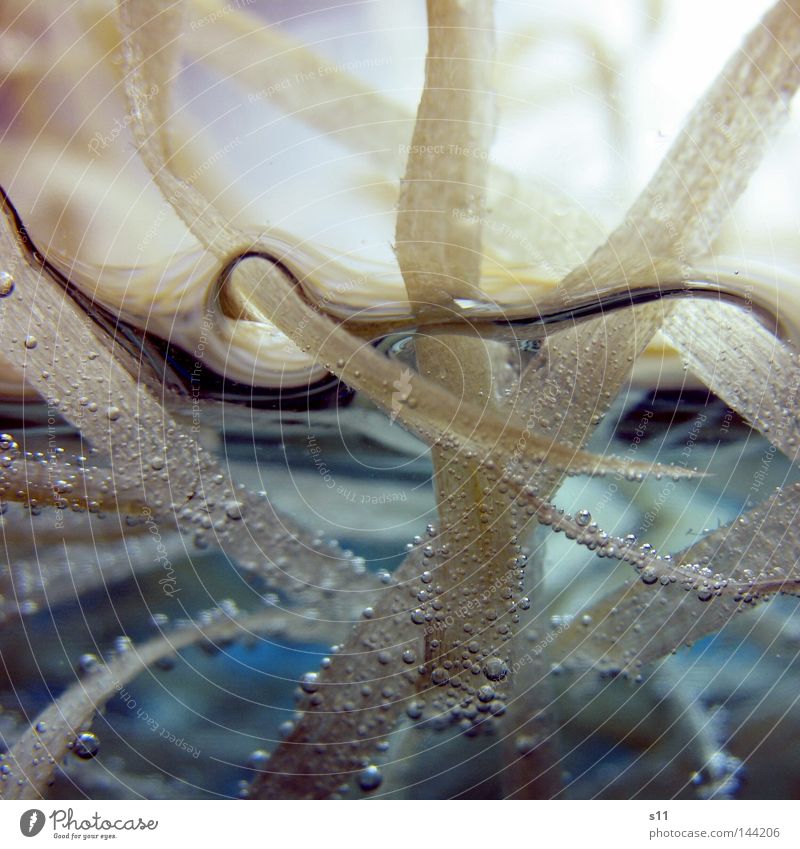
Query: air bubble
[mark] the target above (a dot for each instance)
(415, 710)
(86, 745)
(495, 669)
(233, 510)
(485, 693)
(88, 663)
(309, 682)
(6, 284)
(122, 644)
(439, 676)
(370, 778)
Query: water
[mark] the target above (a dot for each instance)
(710, 720)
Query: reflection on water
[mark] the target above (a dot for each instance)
(198, 725)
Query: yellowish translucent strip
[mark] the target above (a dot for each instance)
(432, 413)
